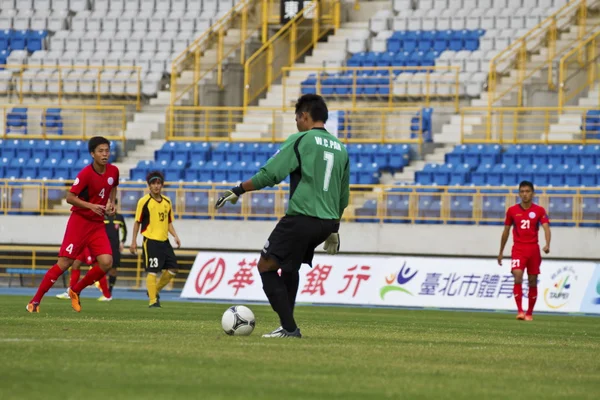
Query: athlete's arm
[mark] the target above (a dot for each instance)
(274, 171)
(123, 228)
(174, 234)
(548, 236)
(136, 226)
(136, 229)
(507, 224)
(110, 206)
(345, 192)
(73, 200)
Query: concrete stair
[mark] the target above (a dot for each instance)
(258, 123)
(473, 125)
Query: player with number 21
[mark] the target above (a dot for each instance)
(525, 218)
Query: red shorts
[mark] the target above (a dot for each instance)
(85, 257)
(526, 257)
(82, 233)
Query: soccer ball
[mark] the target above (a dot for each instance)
(238, 321)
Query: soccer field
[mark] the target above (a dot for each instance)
(124, 350)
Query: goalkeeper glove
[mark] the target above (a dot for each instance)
(332, 244)
(230, 195)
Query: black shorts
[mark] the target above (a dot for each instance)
(294, 239)
(158, 255)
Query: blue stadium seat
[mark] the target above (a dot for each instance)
(309, 85)
(369, 209)
(512, 174)
(35, 40)
(174, 171)
(496, 176)
(441, 40)
(479, 176)
(591, 176)
(5, 41)
(18, 40)
(573, 176)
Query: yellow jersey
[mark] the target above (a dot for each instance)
(154, 217)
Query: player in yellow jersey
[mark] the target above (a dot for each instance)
(154, 214)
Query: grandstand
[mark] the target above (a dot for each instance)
(432, 96)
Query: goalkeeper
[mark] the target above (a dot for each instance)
(319, 171)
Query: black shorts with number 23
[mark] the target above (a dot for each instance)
(158, 255)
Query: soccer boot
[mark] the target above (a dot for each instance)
(521, 316)
(64, 295)
(33, 308)
(282, 333)
(102, 298)
(157, 298)
(155, 305)
(528, 317)
(75, 303)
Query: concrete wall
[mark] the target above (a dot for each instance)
(451, 240)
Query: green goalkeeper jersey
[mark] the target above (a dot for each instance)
(319, 171)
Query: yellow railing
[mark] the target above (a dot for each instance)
(534, 125)
(579, 71)
(78, 122)
(290, 43)
(432, 85)
(100, 85)
(360, 124)
(441, 204)
(191, 65)
(131, 270)
(518, 54)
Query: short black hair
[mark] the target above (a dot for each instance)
(155, 175)
(526, 184)
(314, 105)
(97, 141)
(116, 201)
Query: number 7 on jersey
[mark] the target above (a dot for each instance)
(328, 157)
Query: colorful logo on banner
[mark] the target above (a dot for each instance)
(210, 275)
(597, 299)
(402, 277)
(558, 294)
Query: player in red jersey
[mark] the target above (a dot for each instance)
(92, 195)
(525, 218)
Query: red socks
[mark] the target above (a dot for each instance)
(49, 279)
(75, 274)
(518, 292)
(93, 275)
(532, 299)
(104, 287)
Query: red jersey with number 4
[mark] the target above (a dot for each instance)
(526, 223)
(94, 188)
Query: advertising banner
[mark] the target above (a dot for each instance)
(394, 281)
(591, 299)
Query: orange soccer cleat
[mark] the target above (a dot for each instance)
(74, 300)
(529, 317)
(521, 316)
(33, 308)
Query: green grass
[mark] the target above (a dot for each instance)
(123, 350)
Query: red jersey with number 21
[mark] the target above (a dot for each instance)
(526, 223)
(94, 188)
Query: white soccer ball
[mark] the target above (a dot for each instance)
(238, 321)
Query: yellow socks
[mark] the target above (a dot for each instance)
(165, 278)
(151, 286)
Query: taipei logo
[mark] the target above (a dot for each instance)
(597, 299)
(395, 282)
(557, 295)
